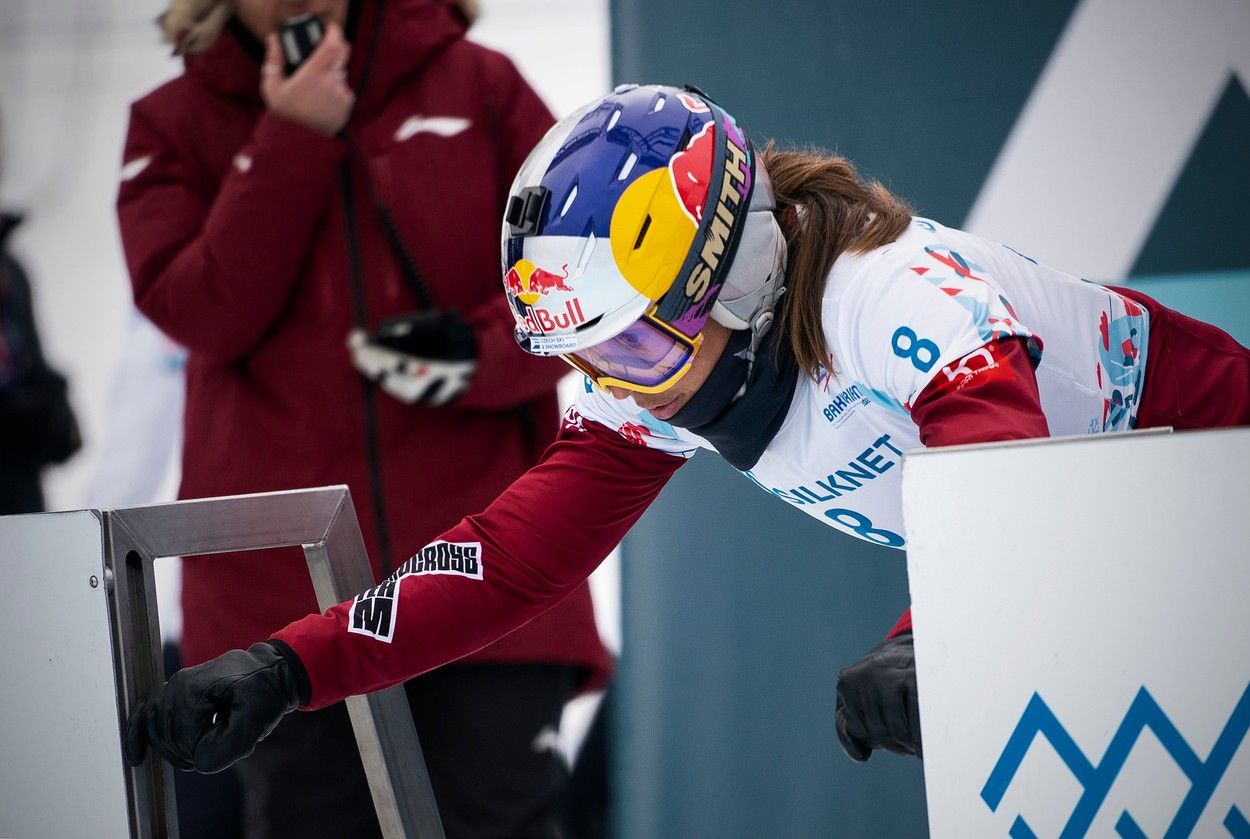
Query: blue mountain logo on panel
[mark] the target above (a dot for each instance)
(1097, 779)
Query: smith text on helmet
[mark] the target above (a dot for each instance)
(728, 205)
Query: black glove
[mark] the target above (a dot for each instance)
(878, 707)
(424, 357)
(209, 716)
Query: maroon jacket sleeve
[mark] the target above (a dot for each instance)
(506, 376)
(214, 267)
(490, 573)
(988, 395)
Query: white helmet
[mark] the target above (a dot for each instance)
(633, 221)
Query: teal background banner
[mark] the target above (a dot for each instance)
(1063, 128)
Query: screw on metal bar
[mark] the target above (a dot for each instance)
(93, 581)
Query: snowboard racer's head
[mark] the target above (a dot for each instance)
(633, 222)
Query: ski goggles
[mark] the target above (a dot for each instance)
(648, 357)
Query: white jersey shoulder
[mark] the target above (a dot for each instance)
(897, 315)
(894, 318)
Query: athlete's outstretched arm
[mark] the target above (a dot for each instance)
(536, 543)
(481, 579)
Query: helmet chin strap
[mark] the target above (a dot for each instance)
(759, 324)
(761, 271)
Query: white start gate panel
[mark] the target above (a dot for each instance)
(61, 767)
(1082, 633)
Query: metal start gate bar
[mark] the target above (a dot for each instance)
(54, 725)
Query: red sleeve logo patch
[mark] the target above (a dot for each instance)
(980, 365)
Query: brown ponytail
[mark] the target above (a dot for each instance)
(824, 208)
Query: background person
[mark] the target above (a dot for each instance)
(893, 332)
(37, 424)
(266, 220)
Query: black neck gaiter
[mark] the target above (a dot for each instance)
(722, 385)
(740, 429)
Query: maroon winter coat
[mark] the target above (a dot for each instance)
(235, 224)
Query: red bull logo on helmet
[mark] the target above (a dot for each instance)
(657, 216)
(540, 320)
(527, 282)
(691, 204)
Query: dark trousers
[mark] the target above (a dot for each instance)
(487, 734)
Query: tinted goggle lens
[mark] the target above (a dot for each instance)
(646, 357)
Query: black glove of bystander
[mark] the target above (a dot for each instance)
(424, 357)
(878, 707)
(209, 716)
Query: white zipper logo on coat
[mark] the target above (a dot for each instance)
(442, 126)
(134, 167)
